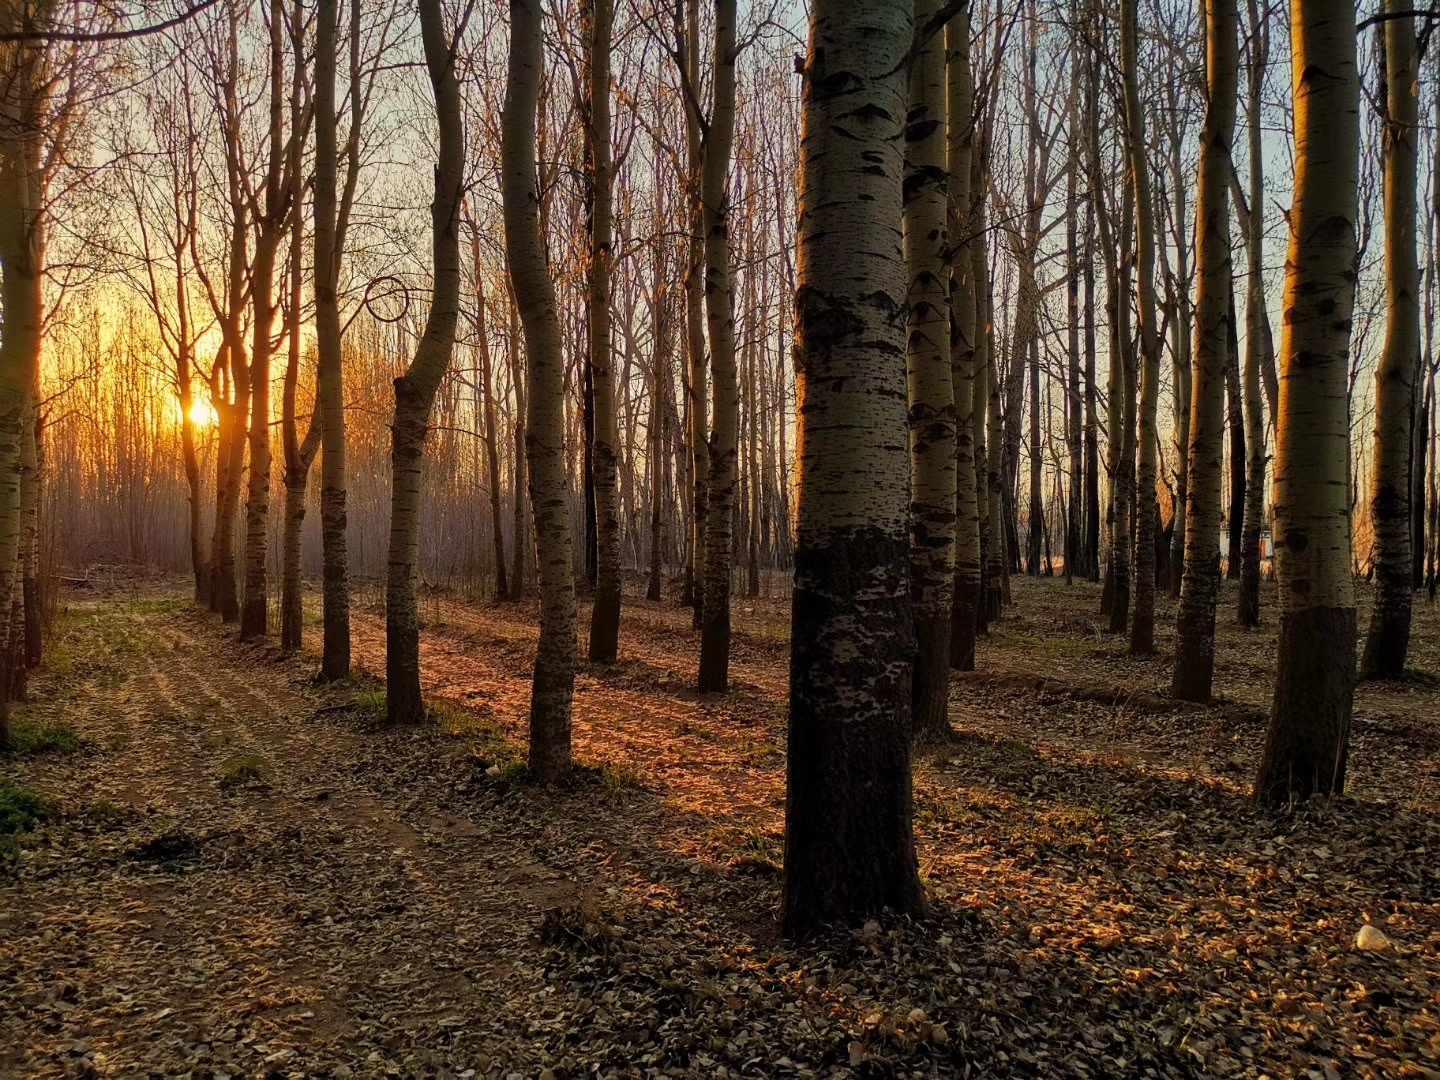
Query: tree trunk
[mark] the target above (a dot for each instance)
(1195, 622)
(720, 322)
(1142, 629)
(253, 613)
(298, 455)
(415, 390)
(996, 558)
(605, 612)
(930, 383)
(656, 428)
(695, 321)
(1256, 332)
(330, 385)
(1235, 422)
(1306, 746)
(960, 156)
(489, 436)
(1388, 638)
(555, 658)
(849, 844)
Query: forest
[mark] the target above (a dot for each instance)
(666, 538)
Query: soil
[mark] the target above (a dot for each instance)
(245, 874)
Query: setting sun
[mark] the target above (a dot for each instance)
(203, 414)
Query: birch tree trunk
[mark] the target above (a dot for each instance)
(415, 390)
(1142, 628)
(930, 382)
(1388, 638)
(605, 612)
(849, 845)
(22, 260)
(960, 146)
(555, 657)
(1195, 622)
(1308, 738)
(720, 322)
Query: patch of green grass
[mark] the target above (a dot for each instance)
(35, 737)
(242, 770)
(117, 741)
(760, 851)
(107, 811)
(509, 773)
(59, 661)
(21, 809)
(618, 779)
(371, 705)
(156, 605)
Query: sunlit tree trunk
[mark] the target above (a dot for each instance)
(605, 613)
(720, 323)
(415, 390)
(1195, 622)
(960, 156)
(1142, 628)
(849, 845)
(555, 657)
(1306, 746)
(930, 382)
(1388, 638)
(32, 643)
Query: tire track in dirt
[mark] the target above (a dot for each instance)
(267, 922)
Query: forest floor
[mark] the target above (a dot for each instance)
(236, 873)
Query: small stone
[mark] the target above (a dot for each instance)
(1370, 939)
(938, 1035)
(857, 1053)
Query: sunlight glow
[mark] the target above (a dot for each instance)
(203, 414)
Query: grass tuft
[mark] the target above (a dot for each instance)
(33, 737)
(243, 770)
(21, 809)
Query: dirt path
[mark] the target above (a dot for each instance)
(187, 915)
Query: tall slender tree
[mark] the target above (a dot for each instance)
(1308, 739)
(930, 380)
(553, 684)
(605, 613)
(960, 157)
(1142, 628)
(1195, 622)
(415, 390)
(1388, 638)
(849, 844)
(1257, 323)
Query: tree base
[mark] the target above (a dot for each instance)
(1308, 742)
